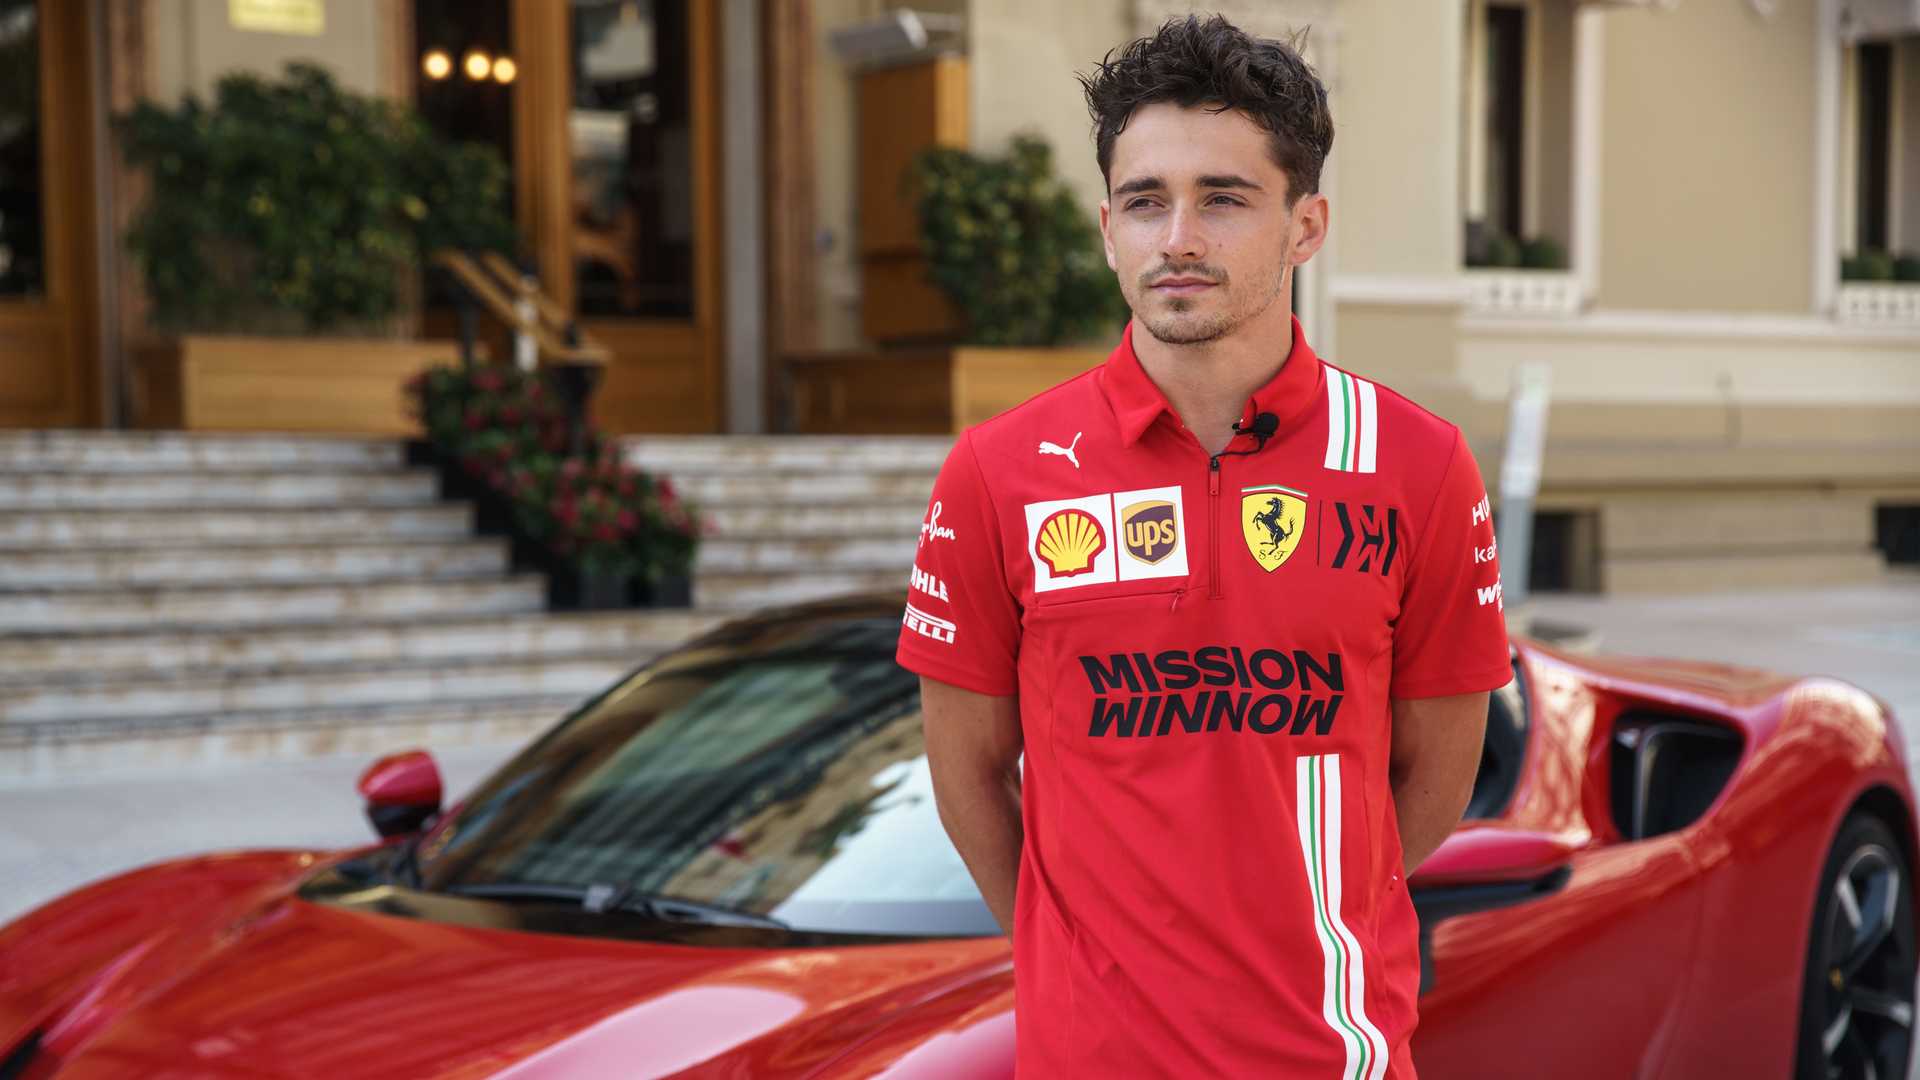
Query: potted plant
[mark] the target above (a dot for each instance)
(606, 534)
(1022, 261)
(297, 211)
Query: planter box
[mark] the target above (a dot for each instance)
(921, 390)
(989, 381)
(344, 386)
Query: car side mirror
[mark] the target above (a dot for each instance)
(402, 792)
(1483, 867)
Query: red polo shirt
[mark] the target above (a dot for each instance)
(1204, 649)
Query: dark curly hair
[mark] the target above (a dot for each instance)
(1213, 63)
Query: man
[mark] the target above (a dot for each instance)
(1233, 605)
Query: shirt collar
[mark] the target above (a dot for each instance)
(1137, 402)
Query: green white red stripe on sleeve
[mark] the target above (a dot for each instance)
(1353, 422)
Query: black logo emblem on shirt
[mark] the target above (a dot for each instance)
(1369, 537)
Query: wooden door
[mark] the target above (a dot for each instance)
(617, 142)
(49, 340)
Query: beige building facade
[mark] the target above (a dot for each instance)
(1726, 410)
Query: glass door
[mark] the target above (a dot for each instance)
(618, 139)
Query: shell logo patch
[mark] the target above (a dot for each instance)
(1068, 542)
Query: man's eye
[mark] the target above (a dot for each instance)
(1228, 199)
(1138, 204)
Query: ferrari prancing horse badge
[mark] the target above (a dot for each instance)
(1270, 518)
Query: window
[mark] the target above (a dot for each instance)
(1872, 159)
(1517, 122)
(632, 135)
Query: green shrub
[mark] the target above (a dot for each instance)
(294, 205)
(1009, 245)
(1867, 266)
(1503, 251)
(1906, 266)
(1542, 253)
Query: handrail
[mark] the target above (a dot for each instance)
(482, 285)
(550, 310)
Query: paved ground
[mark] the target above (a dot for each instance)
(54, 837)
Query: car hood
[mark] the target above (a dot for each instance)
(292, 987)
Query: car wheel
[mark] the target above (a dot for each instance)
(1857, 1002)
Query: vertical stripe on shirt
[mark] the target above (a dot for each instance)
(1343, 996)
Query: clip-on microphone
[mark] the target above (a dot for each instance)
(1263, 426)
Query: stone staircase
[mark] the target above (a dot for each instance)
(799, 517)
(168, 598)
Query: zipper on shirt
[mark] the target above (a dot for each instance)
(1213, 518)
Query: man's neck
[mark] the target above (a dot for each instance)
(1208, 385)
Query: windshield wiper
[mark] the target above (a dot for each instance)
(603, 897)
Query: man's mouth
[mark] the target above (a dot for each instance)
(1181, 286)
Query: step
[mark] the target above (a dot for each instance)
(1652, 465)
(806, 488)
(1682, 524)
(744, 592)
(173, 451)
(418, 682)
(97, 568)
(1740, 570)
(35, 659)
(686, 456)
(258, 605)
(803, 556)
(120, 491)
(142, 528)
(813, 519)
(42, 752)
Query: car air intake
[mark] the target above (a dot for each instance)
(1667, 771)
(15, 1064)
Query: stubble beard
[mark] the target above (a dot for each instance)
(1178, 323)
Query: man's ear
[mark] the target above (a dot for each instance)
(1311, 219)
(1106, 234)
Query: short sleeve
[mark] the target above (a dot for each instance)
(1451, 634)
(961, 625)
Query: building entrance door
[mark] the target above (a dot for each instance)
(48, 330)
(616, 144)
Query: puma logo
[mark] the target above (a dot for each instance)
(1064, 451)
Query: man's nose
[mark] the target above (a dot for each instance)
(1184, 241)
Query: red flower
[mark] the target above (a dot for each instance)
(664, 487)
(572, 469)
(487, 381)
(605, 532)
(497, 480)
(510, 415)
(475, 420)
(626, 520)
(626, 486)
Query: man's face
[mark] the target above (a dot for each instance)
(1197, 224)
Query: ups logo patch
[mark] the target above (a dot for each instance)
(1150, 530)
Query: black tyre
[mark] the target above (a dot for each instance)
(1857, 1001)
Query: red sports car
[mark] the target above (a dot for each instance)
(730, 863)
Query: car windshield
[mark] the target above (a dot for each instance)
(775, 767)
